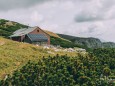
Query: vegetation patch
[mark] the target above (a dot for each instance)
(14, 55)
(64, 70)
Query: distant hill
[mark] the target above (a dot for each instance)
(109, 44)
(88, 42)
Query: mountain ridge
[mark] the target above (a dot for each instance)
(88, 42)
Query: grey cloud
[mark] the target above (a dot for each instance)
(95, 10)
(13, 4)
(87, 18)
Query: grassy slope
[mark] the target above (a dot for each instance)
(13, 54)
(52, 34)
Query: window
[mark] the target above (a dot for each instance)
(37, 30)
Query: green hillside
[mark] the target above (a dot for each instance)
(8, 27)
(95, 69)
(62, 42)
(14, 54)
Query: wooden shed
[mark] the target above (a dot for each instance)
(33, 35)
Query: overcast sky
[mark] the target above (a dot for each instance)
(84, 18)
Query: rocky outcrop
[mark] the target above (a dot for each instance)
(89, 42)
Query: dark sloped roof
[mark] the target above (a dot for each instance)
(37, 37)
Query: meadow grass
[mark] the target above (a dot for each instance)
(13, 55)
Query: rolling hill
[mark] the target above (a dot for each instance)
(88, 42)
(13, 54)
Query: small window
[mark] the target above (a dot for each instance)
(37, 30)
